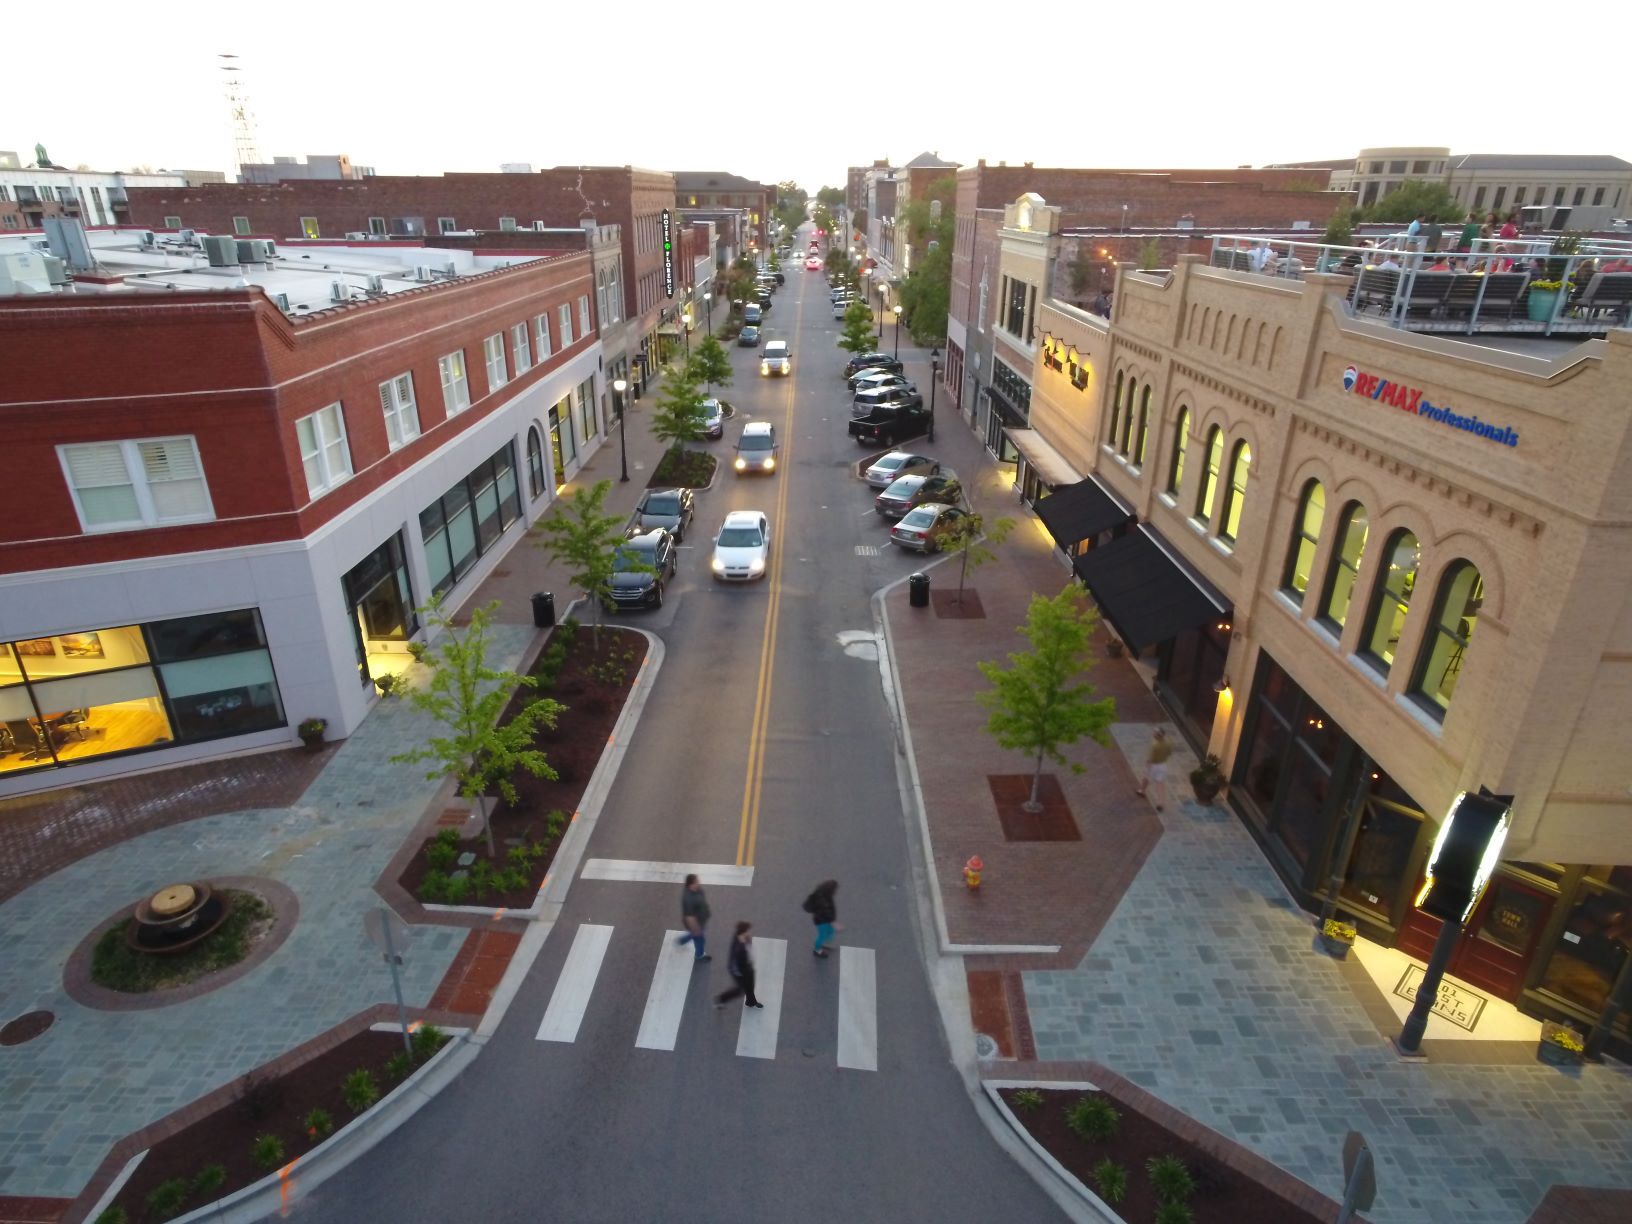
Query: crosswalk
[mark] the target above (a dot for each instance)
(676, 986)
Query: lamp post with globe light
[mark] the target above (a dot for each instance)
(897, 310)
(708, 301)
(619, 386)
(883, 289)
(685, 320)
(934, 377)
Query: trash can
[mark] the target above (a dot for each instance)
(544, 609)
(918, 590)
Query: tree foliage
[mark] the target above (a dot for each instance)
(832, 197)
(583, 537)
(709, 364)
(824, 221)
(968, 538)
(678, 417)
(1038, 703)
(1339, 228)
(1412, 199)
(740, 286)
(926, 293)
(790, 204)
(858, 336)
(466, 695)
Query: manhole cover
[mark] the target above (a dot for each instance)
(26, 1027)
(985, 1047)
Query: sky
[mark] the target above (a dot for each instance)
(419, 89)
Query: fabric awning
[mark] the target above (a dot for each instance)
(1146, 592)
(1053, 467)
(1081, 511)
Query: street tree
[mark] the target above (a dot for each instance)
(466, 696)
(1414, 198)
(709, 364)
(831, 197)
(824, 220)
(930, 225)
(858, 329)
(678, 417)
(969, 539)
(583, 537)
(1040, 704)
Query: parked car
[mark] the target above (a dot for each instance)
(713, 418)
(865, 402)
(756, 448)
(866, 361)
(890, 426)
(764, 299)
(897, 464)
(748, 337)
(670, 509)
(742, 550)
(878, 381)
(884, 365)
(775, 359)
(922, 528)
(910, 491)
(813, 264)
(753, 313)
(841, 307)
(641, 568)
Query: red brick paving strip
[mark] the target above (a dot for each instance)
(33, 1210)
(1583, 1205)
(475, 972)
(1014, 989)
(989, 1009)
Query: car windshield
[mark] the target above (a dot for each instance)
(740, 537)
(905, 487)
(919, 518)
(664, 503)
(890, 462)
(635, 555)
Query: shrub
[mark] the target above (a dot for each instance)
(359, 1090)
(554, 823)
(208, 1180)
(440, 855)
(427, 1039)
(520, 856)
(1026, 1099)
(483, 879)
(398, 1067)
(512, 880)
(267, 1151)
(1170, 1179)
(458, 890)
(1093, 1117)
(113, 1215)
(1111, 1179)
(167, 1198)
(319, 1125)
(1174, 1213)
(434, 887)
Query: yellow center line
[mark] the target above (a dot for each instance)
(748, 831)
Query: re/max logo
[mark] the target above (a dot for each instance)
(1412, 400)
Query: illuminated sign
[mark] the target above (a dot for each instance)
(668, 254)
(1412, 400)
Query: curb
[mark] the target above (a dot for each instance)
(1069, 1183)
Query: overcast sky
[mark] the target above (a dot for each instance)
(420, 90)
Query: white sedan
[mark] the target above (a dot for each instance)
(742, 550)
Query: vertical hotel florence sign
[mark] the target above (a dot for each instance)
(668, 254)
(1412, 400)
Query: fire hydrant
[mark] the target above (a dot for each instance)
(972, 870)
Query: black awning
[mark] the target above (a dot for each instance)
(1145, 591)
(1081, 511)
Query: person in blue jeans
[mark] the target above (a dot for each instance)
(824, 912)
(694, 914)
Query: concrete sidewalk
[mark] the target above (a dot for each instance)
(1183, 966)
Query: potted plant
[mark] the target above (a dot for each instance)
(1544, 291)
(419, 650)
(1207, 779)
(1561, 1045)
(1337, 937)
(390, 684)
(311, 733)
(1115, 647)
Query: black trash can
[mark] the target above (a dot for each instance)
(918, 590)
(544, 609)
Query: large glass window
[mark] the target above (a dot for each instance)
(1300, 561)
(1124, 436)
(1345, 567)
(217, 674)
(1116, 411)
(535, 462)
(469, 518)
(1142, 433)
(1181, 441)
(1235, 496)
(1593, 947)
(1456, 611)
(147, 483)
(1390, 824)
(1391, 599)
(1209, 479)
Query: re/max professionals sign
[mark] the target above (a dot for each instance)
(1412, 400)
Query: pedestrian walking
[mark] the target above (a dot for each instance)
(1155, 779)
(824, 912)
(741, 966)
(694, 914)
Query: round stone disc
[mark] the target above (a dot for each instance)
(176, 899)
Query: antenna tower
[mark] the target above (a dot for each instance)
(245, 150)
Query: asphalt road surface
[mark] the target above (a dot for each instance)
(764, 743)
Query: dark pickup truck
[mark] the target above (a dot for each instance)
(888, 426)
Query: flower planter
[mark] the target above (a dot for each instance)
(1337, 949)
(1206, 791)
(1551, 1052)
(1540, 304)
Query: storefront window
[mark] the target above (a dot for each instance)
(1262, 772)
(1382, 851)
(1301, 821)
(1392, 600)
(1235, 496)
(469, 518)
(1456, 611)
(1351, 545)
(377, 589)
(1300, 562)
(1592, 948)
(535, 463)
(1181, 440)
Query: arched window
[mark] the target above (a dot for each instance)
(1116, 411)
(1300, 561)
(1235, 496)
(1127, 419)
(1143, 432)
(1351, 545)
(1391, 599)
(1209, 478)
(1181, 440)
(535, 461)
(1456, 611)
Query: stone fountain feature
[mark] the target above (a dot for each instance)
(175, 918)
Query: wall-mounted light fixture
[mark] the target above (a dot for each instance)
(1223, 685)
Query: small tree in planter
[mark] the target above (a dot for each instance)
(678, 416)
(858, 329)
(466, 695)
(583, 537)
(1207, 779)
(710, 365)
(967, 540)
(1035, 705)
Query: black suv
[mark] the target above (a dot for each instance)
(884, 365)
(863, 361)
(641, 569)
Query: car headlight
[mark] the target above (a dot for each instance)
(769, 464)
(741, 464)
(717, 566)
(756, 566)
(764, 367)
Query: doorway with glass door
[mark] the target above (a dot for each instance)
(381, 604)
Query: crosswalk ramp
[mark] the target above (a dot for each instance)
(676, 988)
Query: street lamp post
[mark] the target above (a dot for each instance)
(686, 322)
(619, 386)
(934, 377)
(897, 309)
(708, 301)
(881, 290)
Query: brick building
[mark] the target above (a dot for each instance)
(231, 485)
(29, 194)
(716, 189)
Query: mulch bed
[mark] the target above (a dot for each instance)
(573, 748)
(949, 605)
(692, 470)
(1223, 1195)
(1053, 823)
(226, 1136)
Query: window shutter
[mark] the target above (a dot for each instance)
(385, 398)
(98, 465)
(172, 459)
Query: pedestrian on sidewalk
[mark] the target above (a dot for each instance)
(824, 912)
(1155, 779)
(694, 914)
(741, 966)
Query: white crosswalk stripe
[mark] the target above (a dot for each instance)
(566, 1010)
(757, 1036)
(858, 1009)
(666, 1002)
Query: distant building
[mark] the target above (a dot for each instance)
(316, 166)
(515, 167)
(197, 178)
(29, 194)
(716, 189)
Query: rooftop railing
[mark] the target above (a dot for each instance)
(1525, 285)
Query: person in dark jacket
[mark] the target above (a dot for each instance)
(824, 912)
(741, 966)
(694, 915)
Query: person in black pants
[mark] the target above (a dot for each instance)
(741, 965)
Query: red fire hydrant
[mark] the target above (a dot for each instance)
(972, 870)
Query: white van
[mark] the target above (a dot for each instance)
(775, 359)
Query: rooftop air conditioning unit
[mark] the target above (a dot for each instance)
(251, 251)
(539, 225)
(56, 270)
(222, 250)
(424, 273)
(271, 247)
(187, 236)
(376, 284)
(356, 236)
(450, 269)
(340, 291)
(282, 300)
(147, 239)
